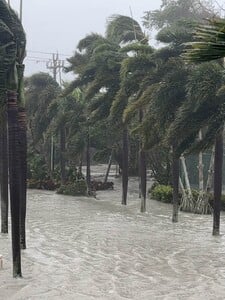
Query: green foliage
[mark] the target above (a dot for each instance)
(159, 162)
(123, 29)
(209, 42)
(37, 168)
(172, 12)
(163, 193)
(199, 111)
(76, 188)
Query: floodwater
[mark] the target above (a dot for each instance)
(85, 248)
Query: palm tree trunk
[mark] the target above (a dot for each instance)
(175, 174)
(14, 180)
(52, 158)
(80, 167)
(4, 173)
(218, 164)
(209, 182)
(125, 167)
(200, 167)
(143, 178)
(142, 169)
(109, 167)
(23, 177)
(62, 154)
(88, 163)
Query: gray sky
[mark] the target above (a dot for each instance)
(58, 25)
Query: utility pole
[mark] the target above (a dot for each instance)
(55, 65)
(21, 10)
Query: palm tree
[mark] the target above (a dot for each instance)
(13, 46)
(123, 29)
(41, 90)
(166, 91)
(163, 93)
(66, 113)
(134, 71)
(4, 171)
(209, 45)
(7, 46)
(98, 68)
(199, 112)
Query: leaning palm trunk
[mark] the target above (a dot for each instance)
(218, 163)
(14, 180)
(125, 166)
(4, 171)
(187, 202)
(175, 174)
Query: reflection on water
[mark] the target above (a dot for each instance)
(85, 248)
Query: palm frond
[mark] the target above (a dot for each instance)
(209, 42)
(124, 29)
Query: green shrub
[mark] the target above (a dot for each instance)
(76, 188)
(163, 193)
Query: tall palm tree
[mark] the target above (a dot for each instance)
(199, 112)
(66, 113)
(41, 91)
(125, 30)
(4, 170)
(135, 72)
(98, 68)
(163, 93)
(209, 45)
(11, 25)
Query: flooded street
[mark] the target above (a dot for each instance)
(86, 248)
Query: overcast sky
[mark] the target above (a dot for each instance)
(58, 25)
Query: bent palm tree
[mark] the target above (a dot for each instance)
(209, 45)
(123, 29)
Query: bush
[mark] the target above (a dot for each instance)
(163, 193)
(101, 186)
(45, 184)
(76, 188)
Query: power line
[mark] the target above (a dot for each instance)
(42, 52)
(36, 60)
(38, 57)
